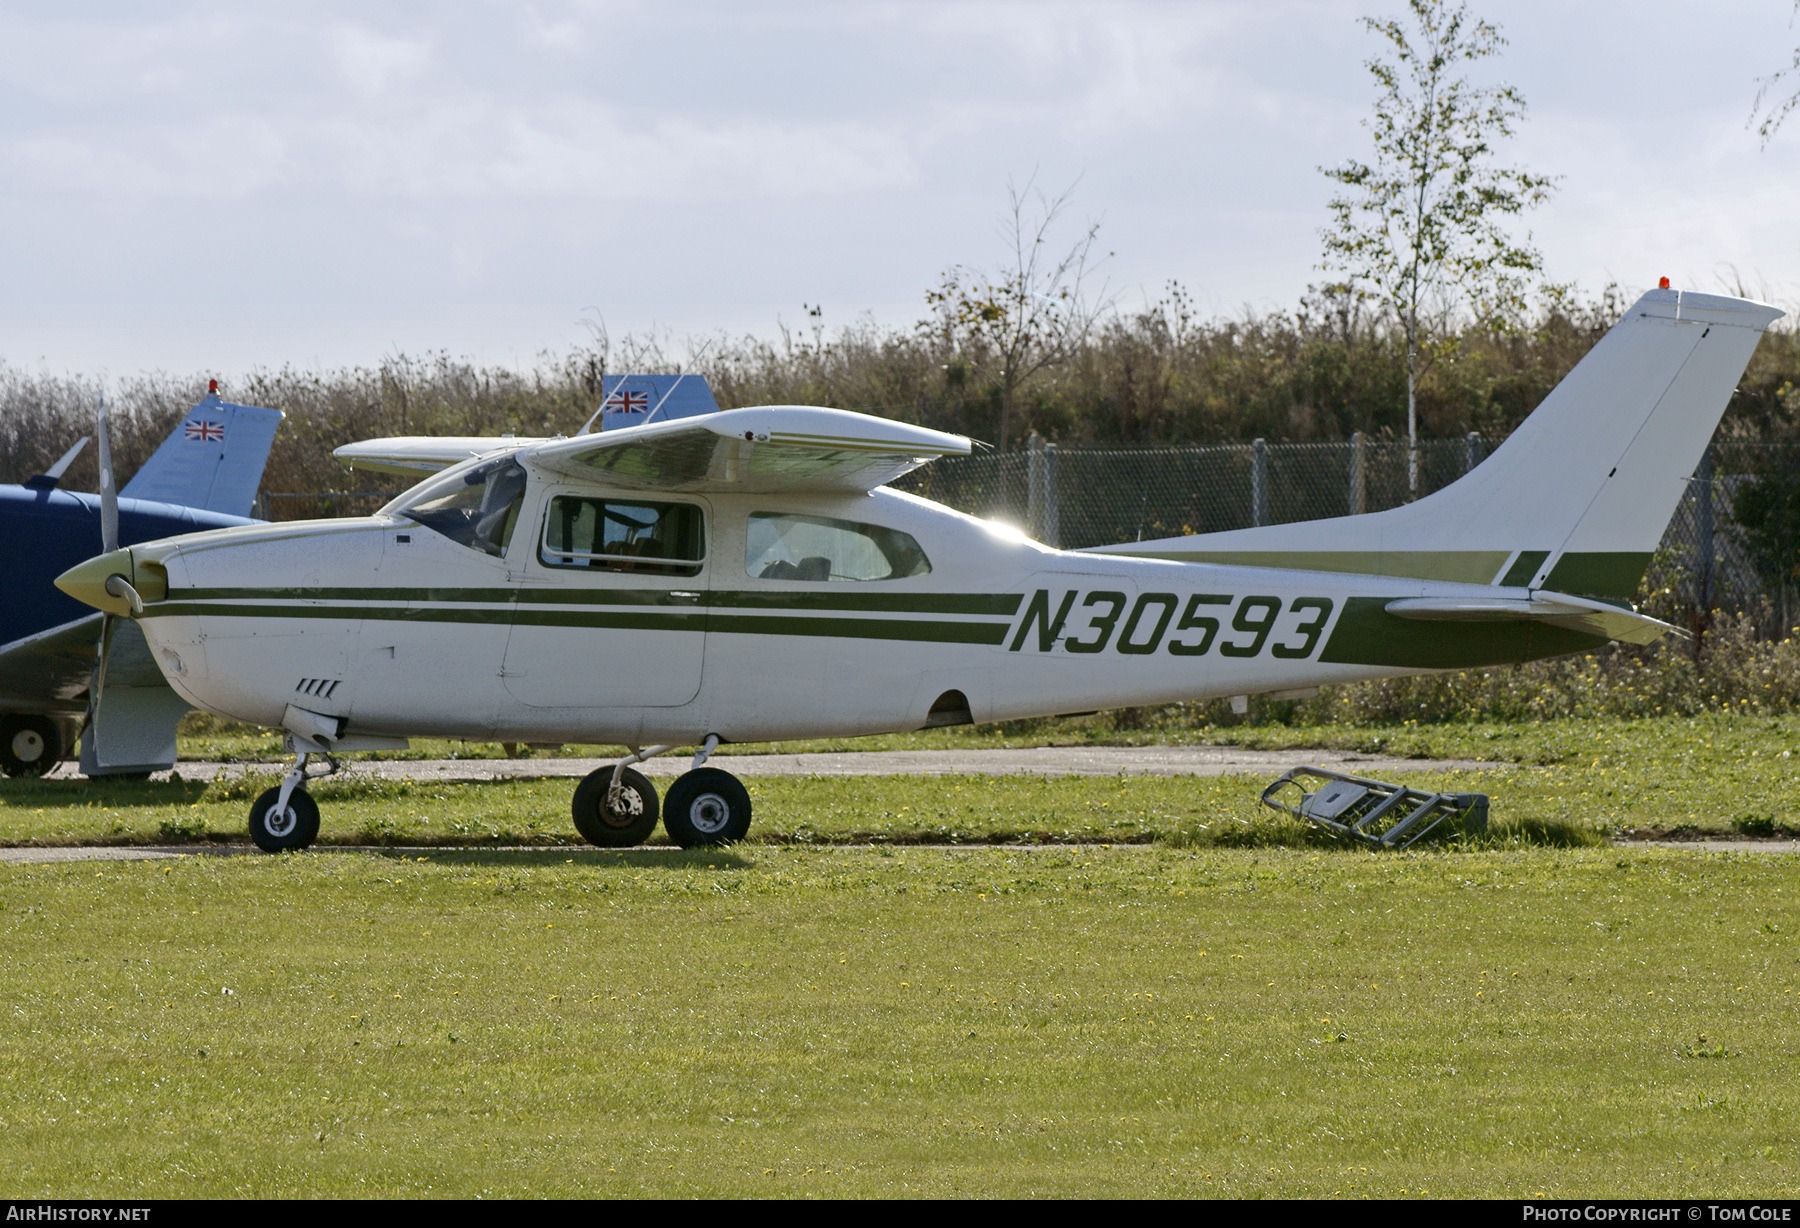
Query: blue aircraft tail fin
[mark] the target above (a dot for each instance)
(213, 459)
(632, 400)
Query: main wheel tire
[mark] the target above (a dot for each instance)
(294, 828)
(706, 807)
(630, 824)
(29, 745)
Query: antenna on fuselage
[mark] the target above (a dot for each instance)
(48, 479)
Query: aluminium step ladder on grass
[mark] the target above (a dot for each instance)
(1373, 811)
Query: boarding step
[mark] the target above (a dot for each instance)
(1373, 811)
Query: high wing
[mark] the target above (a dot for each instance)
(413, 455)
(752, 451)
(51, 670)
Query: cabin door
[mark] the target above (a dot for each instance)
(611, 604)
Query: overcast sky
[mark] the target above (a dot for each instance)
(212, 187)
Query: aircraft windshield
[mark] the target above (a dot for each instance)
(475, 508)
(782, 546)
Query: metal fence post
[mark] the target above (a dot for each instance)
(1041, 519)
(1471, 450)
(1034, 485)
(1703, 531)
(1259, 482)
(1359, 474)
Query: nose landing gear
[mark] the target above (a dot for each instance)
(285, 819)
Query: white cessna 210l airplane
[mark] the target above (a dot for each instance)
(745, 576)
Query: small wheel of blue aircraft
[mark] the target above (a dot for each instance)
(705, 807)
(626, 821)
(29, 745)
(293, 827)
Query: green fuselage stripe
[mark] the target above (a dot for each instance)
(993, 604)
(858, 628)
(692, 619)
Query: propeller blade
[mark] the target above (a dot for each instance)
(109, 491)
(97, 685)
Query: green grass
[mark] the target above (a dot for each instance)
(834, 1022)
(1564, 782)
(1178, 811)
(1546, 741)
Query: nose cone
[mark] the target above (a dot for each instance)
(87, 581)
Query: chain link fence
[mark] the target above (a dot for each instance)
(1080, 497)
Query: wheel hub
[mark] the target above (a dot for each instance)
(280, 822)
(624, 811)
(709, 813)
(28, 745)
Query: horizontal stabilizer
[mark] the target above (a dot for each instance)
(413, 455)
(1556, 609)
(752, 451)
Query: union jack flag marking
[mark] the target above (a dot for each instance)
(627, 402)
(205, 432)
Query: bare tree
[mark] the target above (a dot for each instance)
(1420, 228)
(1770, 89)
(1033, 314)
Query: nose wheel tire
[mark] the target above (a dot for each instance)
(29, 745)
(279, 831)
(623, 825)
(705, 807)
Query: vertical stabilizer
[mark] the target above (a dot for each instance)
(632, 400)
(213, 459)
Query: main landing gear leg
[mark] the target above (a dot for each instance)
(615, 807)
(287, 817)
(706, 806)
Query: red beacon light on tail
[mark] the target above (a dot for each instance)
(1662, 283)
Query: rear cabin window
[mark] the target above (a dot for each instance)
(782, 546)
(666, 539)
(476, 508)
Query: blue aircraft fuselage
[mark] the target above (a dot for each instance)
(45, 531)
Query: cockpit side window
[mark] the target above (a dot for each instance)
(784, 546)
(666, 539)
(479, 511)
